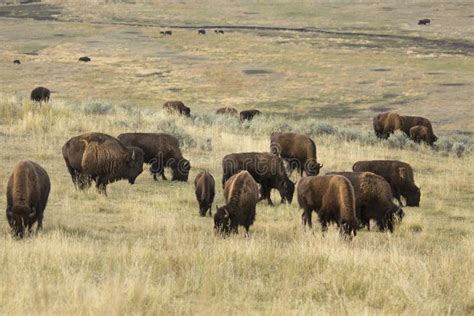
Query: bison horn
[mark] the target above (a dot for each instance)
(133, 154)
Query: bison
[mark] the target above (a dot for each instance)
(374, 199)
(386, 123)
(161, 150)
(17, 62)
(227, 111)
(333, 199)
(398, 174)
(241, 197)
(177, 107)
(248, 115)
(101, 158)
(204, 185)
(40, 94)
(27, 195)
(420, 133)
(298, 150)
(267, 170)
(85, 59)
(424, 22)
(219, 31)
(407, 122)
(202, 32)
(168, 33)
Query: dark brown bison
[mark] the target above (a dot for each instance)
(267, 170)
(298, 150)
(17, 62)
(40, 94)
(27, 195)
(161, 151)
(85, 59)
(333, 199)
(204, 186)
(168, 33)
(386, 123)
(241, 197)
(248, 114)
(374, 200)
(424, 22)
(202, 32)
(407, 122)
(101, 158)
(177, 107)
(219, 31)
(420, 133)
(227, 111)
(398, 174)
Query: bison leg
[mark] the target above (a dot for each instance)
(101, 185)
(265, 191)
(306, 217)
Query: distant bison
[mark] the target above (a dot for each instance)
(420, 133)
(386, 123)
(398, 174)
(85, 59)
(27, 195)
(248, 114)
(161, 150)
(374, 199)
(40, 94)
(168, 33)
(202, 32)
(177, 107)
(333, 199)
(267, 170)
(101, 158)
(241, 197)
(298, 150)
(424, 22)
(17, 62)
(204, 186)
(219, 31)
(407, 122)
(227, 111)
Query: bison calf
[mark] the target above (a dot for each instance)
(27, 195)
(333, 199)
(177, 107)
(40, 94)
(241, 197)
(420, 133)
(204, 185)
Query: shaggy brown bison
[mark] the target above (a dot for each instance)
(227, 111)
(241, 197)
(407, 122)
(298, 150)
(248, 114)
(177, 107)
(398, 174)
(101, 158)
(424, 22)
(420, 133)
(267, 170)
(27, 195)
(333, 199)
(386, 123)
(161, 151)
(204, 186)
(374, 199)
(85, 59)
(40, 94)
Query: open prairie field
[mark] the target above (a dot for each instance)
(321, 68)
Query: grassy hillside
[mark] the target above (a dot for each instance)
(144, 249)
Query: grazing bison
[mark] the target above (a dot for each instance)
(85, 59)
(267, 169)
(219, 31)
(177, 107)
(248, 114)
(27, 194)
(241, 197)
(333, 199)
(227, 111)
(386, 123)
(298, 150)
(40, 94)
(204, 185)
(407, 122)
(202, 32)
(168, 33)
(161, 151)
(420, 133)
(424, 22)
(101, 158)
(17, 62)
(374, 199)
(398, 174)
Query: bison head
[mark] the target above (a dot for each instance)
(203, 207)
(134, 163)
(413, 197)
(349, 228)
(222, 221)
(181, 171)
(19, 217)
(312, 167)
(286, 188)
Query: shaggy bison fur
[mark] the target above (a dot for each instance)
(40, 94)
(204, 186)
(177, 107)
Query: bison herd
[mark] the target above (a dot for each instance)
(348, 199)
